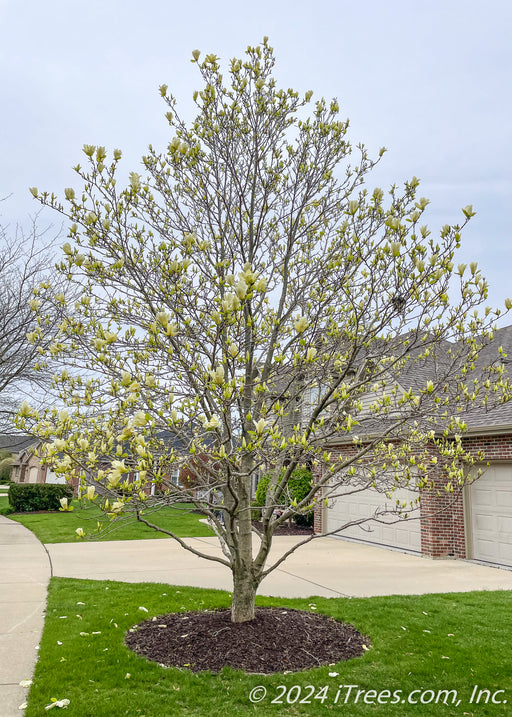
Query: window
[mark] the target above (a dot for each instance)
(175, 476)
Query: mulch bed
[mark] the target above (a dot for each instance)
(287, 529)
(277, 640)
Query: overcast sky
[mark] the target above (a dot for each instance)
(429, 79)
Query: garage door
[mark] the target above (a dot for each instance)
(405, 535)
(490, 505)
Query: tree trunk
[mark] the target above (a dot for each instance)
(244, 593)
(245, 581)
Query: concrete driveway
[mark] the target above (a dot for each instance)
(326, 567)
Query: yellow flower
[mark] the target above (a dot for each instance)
(231, 302)
(25, 409)
(260, 426)
(140, 419)
(301, 324)
(163, 318)
(214, 422)
(241, 289)
(218, 375)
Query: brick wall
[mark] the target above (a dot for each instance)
(442, 520)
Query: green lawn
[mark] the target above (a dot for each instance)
(4, 505)
(60, 527)
(429, 642)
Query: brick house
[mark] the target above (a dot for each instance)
(472, 523)
(26, 466)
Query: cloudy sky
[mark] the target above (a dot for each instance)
(430, 79)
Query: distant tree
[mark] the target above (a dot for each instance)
(249, 297)
(6, 460)
(28, 281)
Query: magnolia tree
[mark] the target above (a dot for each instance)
(246, 302)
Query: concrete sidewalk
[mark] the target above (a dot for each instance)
(24, 574)
(326, 567)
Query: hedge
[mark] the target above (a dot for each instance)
(298, 487)
(28, 497)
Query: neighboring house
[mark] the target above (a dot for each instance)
(26, 466)
(474, 523)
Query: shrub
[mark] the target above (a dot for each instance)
(6, 460)
(298, 487)
(28, 497)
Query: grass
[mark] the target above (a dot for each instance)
(60, 527)
(428, 642)
(5, 508)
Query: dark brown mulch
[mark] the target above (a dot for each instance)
(287, 529)
(277, 640)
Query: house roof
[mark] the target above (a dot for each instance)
(16, 443)
(417, 372)
(481, 420)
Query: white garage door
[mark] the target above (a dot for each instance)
(491, 515)
(405, 535)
